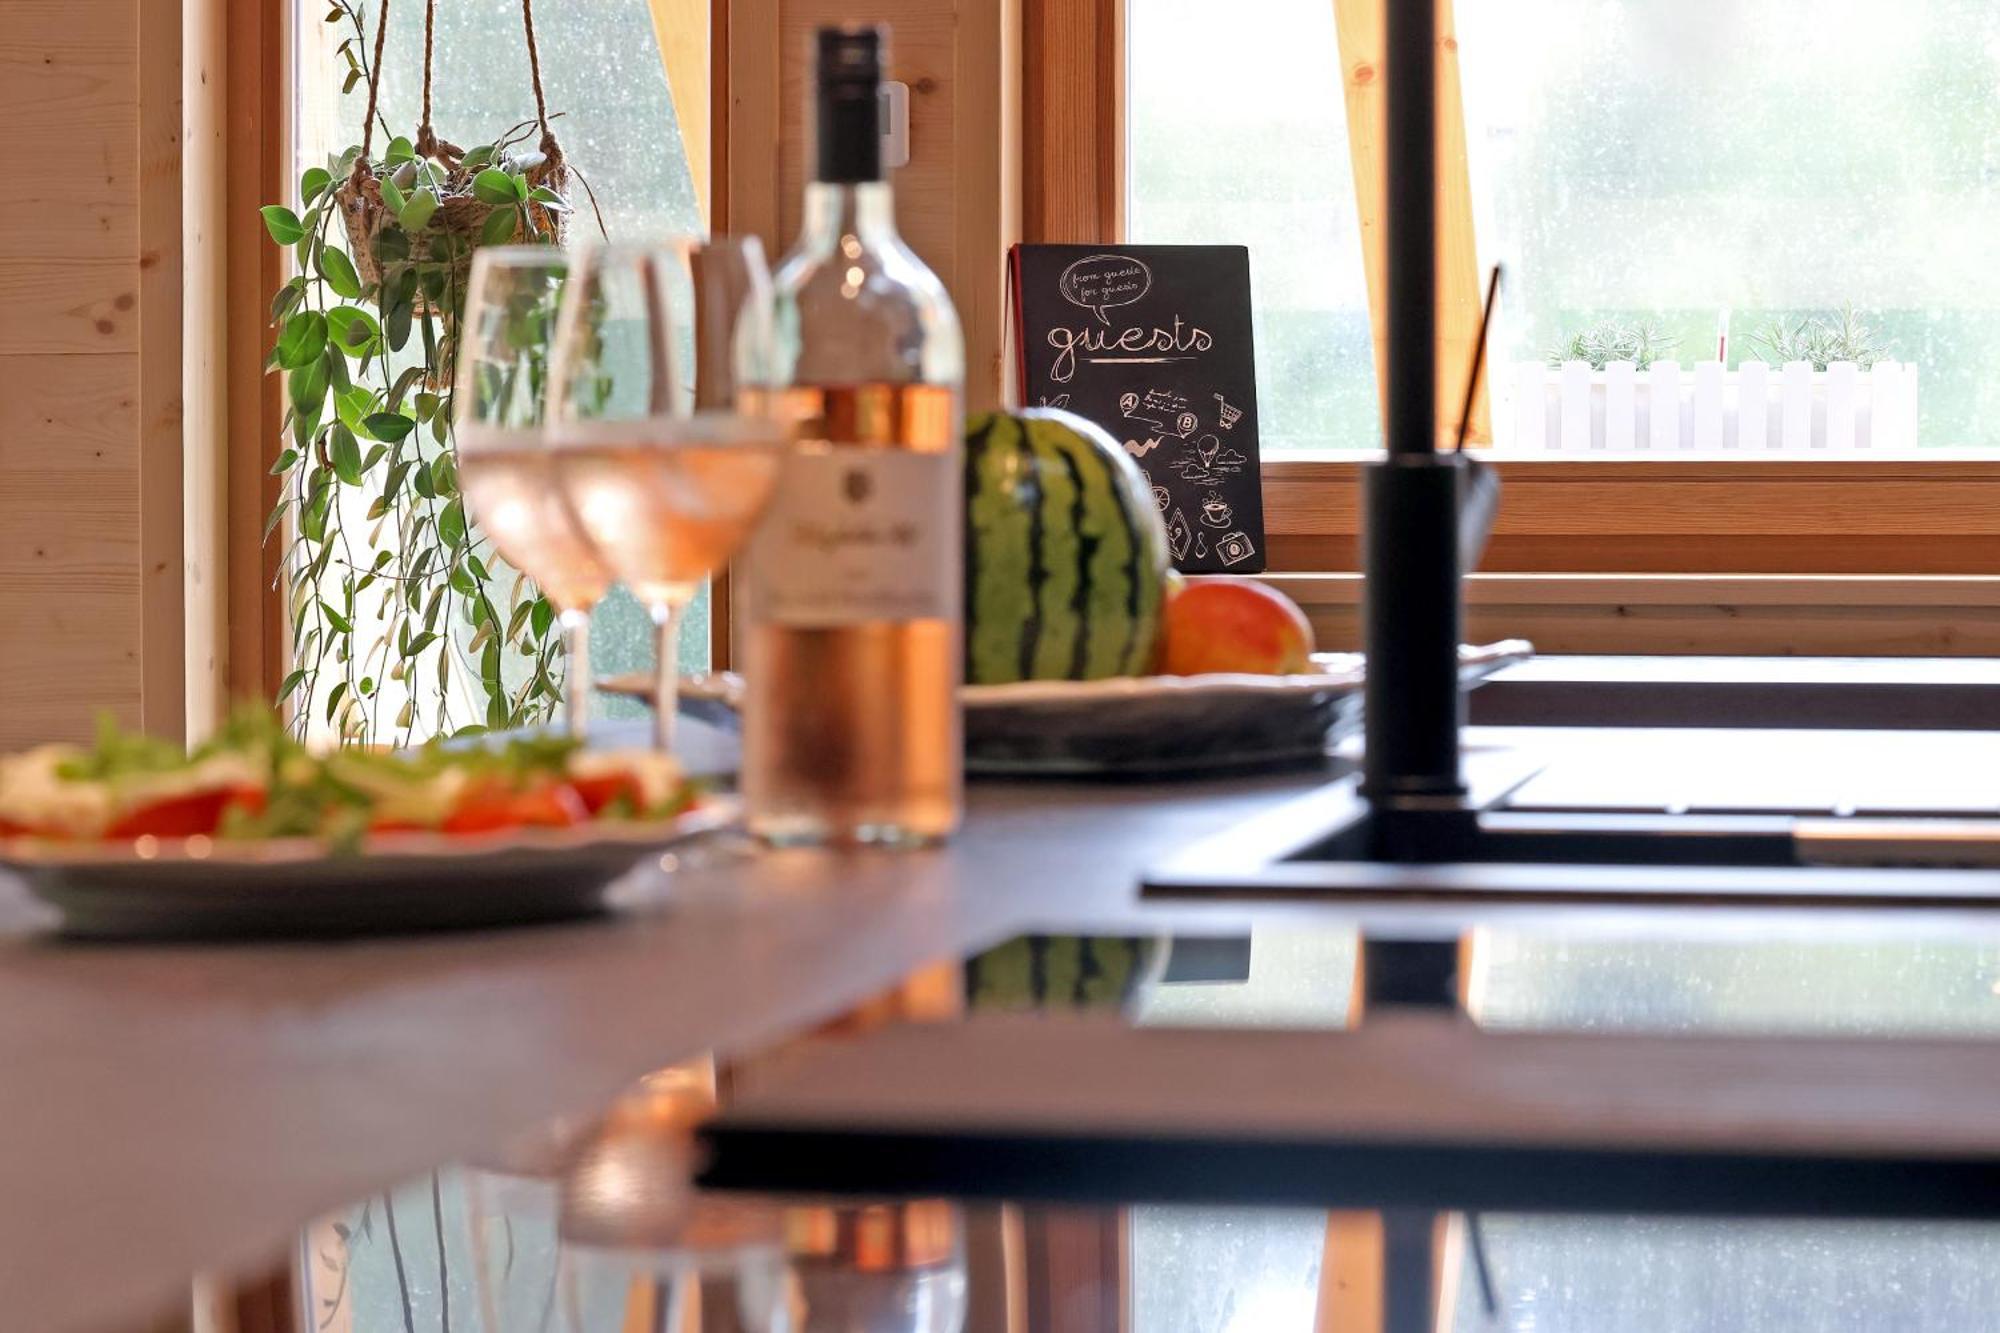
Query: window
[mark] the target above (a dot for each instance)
(616, 119)
(1631, 163)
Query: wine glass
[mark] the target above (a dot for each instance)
(664, 478)
(505, 469)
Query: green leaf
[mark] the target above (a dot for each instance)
(335, 619)
(400, 150)
(414, 214)
(333, 700)
(444, 475)
(367, 686)
(283, 224)
(284, 463)
(476, 158)
(391, 246)
(396, 324)
(336, 370)
(346, 455)
(338, 270)
(544, 615)
(314, 182)
(288, 296)
(421, 484)
(494, 186)
(519, 618)
(353, 77)
(353, 330)
(293, 679)
(312, 523)
(500, 226)
(392, 196)
(277, 517)
(390, 426)
(461, 583)
(308, 389)
(548, 198)
(419, 643)
(451, 524)
(376, 508)
(427, 406)
(303, 339)
(352, 405)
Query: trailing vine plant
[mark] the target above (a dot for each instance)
(391, 595)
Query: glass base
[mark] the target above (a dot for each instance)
(809, 831)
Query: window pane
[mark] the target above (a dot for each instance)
(1239, 137)
(1785, 158)
(604, 79)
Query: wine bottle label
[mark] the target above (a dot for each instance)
(858, 535)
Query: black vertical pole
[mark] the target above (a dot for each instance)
(1411, 197)
(1410, 538)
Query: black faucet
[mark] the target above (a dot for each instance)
(1411, 539)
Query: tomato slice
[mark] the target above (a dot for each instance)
(9, 829)
(192, 814)
(490, 807)
(602, 790)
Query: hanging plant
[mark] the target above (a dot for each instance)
(391, 595)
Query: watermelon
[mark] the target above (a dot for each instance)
(1044, 972)
(1065, 554)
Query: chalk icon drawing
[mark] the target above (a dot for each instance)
(1235, 547)
(1167, 413)
(1208, 460)
(1225, 415)
(1215, 511)
(1098, 282)
(1201, 546)
(1162, 497)
(1060, 400)
(1180, 535)
(1138, 450)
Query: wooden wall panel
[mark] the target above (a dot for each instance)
(957, 199)
(89, 354)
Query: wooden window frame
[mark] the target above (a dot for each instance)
(1819, 538)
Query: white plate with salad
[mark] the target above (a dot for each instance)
(252, 834)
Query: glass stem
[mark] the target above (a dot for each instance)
(667, 676)
(576, 651)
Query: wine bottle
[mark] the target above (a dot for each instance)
(852, 650)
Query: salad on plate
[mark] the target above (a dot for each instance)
(254, 781)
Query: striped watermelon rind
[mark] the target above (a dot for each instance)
(1066, 557)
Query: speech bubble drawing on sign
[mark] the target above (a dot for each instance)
(1098, 282)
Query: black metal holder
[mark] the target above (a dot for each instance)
(1413, 498)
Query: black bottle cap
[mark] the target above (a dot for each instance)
(850, 61)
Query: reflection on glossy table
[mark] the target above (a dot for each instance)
(167, 1109)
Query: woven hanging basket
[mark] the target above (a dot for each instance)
(458, 225)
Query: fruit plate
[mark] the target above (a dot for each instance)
(198, 888)
(1141, 725)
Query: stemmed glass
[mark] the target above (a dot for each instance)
(663, 476)
(505, 469)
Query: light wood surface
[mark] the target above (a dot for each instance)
(89, 354)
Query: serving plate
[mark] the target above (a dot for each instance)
(200, 888)
(1139, 725)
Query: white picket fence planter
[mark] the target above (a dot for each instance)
(1754, 407)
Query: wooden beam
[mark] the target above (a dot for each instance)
(682, 27)
(1360, 28)
(1717, 515)
(1765, 615)
(1073, 121)
(257, 147)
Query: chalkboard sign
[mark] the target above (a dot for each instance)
(1153, 343)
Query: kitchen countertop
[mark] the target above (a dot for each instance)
(172, 1108)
